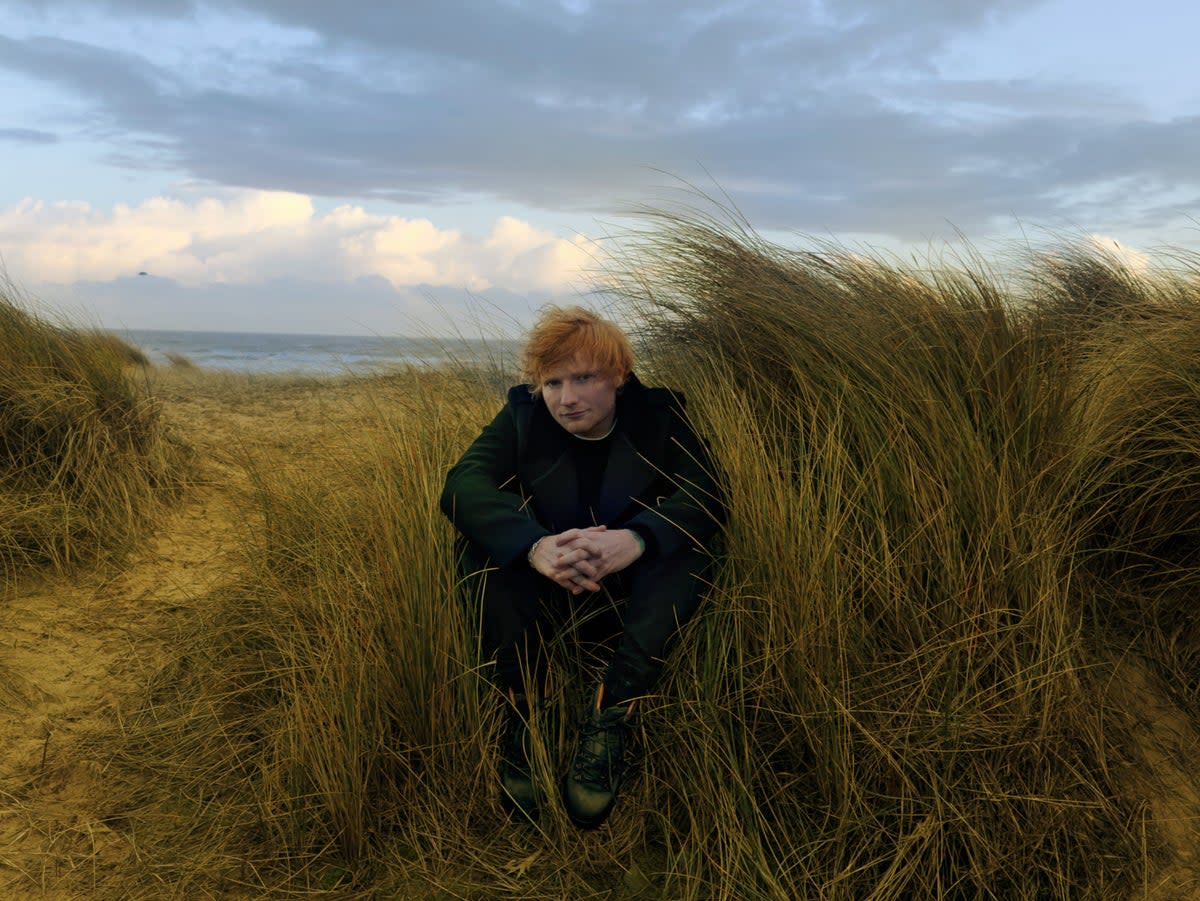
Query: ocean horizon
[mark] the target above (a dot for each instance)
(277, 352)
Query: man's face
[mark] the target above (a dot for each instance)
(580, 398)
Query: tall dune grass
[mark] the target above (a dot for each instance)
(84, 457)
(912, 710)
(895, 690)
(1138, 458)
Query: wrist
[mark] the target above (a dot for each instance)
(641, 542)
(532, 548)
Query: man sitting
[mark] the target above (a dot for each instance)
(587, 485)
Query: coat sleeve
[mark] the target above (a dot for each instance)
(475, 499)
(693, 510)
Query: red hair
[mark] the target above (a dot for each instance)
(563, 333)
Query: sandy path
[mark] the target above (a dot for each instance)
(78, 652)
(75, 651)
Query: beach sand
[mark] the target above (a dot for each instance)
(77, 652)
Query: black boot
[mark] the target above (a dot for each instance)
(596, 770)
(517, 793)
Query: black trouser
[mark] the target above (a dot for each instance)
(637, 612)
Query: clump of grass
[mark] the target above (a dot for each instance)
(1138, 453)
(894, 684)
(84, 458)
(99, 342)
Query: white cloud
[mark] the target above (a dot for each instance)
(536, 258)
(246, 237)
(1133, 260)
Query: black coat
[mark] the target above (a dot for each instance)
(517, 482)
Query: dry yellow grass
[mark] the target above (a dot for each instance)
(84, 462)
(943, 657)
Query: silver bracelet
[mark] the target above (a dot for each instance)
(532, 548)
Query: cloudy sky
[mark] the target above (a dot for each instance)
(360, 166)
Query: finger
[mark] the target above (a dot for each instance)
(568, 582)
(566, 559)
(563, 574)
(573, 579)
(588, 575)
(564, 538)
(579, 553)
(586, 568)
(559, 555)
(588, 584)
(584, 583)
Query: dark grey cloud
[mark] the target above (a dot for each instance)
(817, 122)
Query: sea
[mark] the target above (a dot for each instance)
(254, 352)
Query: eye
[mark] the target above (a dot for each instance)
(586, 377)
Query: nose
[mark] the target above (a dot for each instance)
(568, 395)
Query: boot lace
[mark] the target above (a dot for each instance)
(600, 757)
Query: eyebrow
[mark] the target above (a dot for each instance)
(570, 375)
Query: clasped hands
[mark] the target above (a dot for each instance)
(578, 559)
